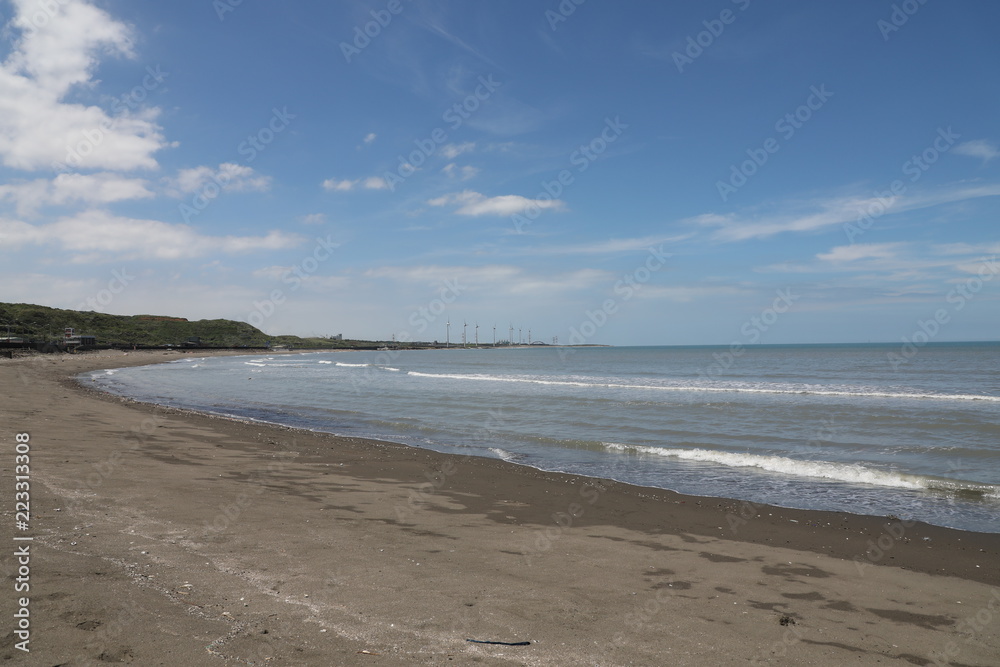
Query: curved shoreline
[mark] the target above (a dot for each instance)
(740, 509)
(178, 537)
(920, 484)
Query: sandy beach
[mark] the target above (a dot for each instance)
(162, 537)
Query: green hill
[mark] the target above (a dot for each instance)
(43, 324)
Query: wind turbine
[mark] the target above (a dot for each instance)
(477, 334)
(494, 334)
(529, 336)
(447, 333)
(465, 327)
(510, 334)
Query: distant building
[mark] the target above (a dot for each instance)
(72, 341)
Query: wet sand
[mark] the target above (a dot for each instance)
(162, 537)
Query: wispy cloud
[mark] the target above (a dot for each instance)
(375, 183)
(314, 219)
(816, 215)
(370, 183)
(229, 176)
(980, 148)
(98, 236)
(851, 253)
(333, 185)
(452, 151)
(463, 173)
(475, 204)
(611, 246)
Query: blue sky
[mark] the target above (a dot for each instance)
(624, 173)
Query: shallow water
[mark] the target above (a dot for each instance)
(811, 426)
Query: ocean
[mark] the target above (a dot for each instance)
(864, 429)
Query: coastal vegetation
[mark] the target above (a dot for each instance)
(41, 324)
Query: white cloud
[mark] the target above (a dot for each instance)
(314, 219)
(452, 151)
(333, 185)
(56, 49)
(101, 188)
(231, 177)
(462, 173)
(495, 278)
(637, 244)
(100, 236)
(370, 183)
(476, 204)
(370, 137)
(436, 274)
(816, 215)
(859, 251)
(980, 148)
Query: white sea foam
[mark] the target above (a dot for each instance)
(339, 363)
(805, 390)
(503, 454)
(323, 361)
(850, 473)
